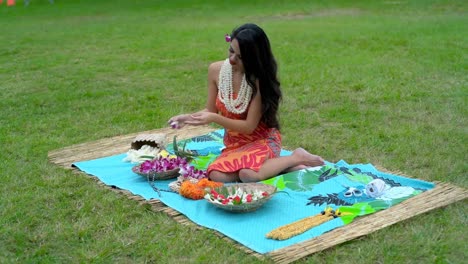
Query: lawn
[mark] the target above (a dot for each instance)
(381, 82)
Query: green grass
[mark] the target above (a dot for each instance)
(383, 82)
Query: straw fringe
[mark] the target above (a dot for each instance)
(442, 195)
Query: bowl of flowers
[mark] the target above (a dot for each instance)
(240, 197)
(165, 166)
(160, 168)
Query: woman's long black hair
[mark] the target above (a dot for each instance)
(260, 64)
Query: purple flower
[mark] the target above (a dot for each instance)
(146, 166)
(188, 171)
(175, 125)
(161, 164)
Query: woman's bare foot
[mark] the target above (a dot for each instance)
(307, 159)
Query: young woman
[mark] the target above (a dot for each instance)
(243, 97)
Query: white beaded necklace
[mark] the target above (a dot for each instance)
(225, 94)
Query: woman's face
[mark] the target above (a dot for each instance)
(235, 58)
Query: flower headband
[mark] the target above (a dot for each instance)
(227, 37)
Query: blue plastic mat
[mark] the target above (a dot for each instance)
(303, 193)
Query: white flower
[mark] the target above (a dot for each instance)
(140, 155)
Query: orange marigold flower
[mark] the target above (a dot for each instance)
(191, 191)
(204, 183)
(196, 191)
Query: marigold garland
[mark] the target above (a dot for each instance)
(196, 191)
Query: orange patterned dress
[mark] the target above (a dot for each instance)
(245, 151)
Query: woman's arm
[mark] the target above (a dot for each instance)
(213, 73)
(246, 126)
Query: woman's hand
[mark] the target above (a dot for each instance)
(201, 118)
(178, 121)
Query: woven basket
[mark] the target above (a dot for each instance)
(166, 175)
(153, 140)
(246, 187)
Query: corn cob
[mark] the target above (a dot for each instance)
(299, 227)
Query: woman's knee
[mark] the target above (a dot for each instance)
(219, 176)
(216, 176)
(247, 175)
